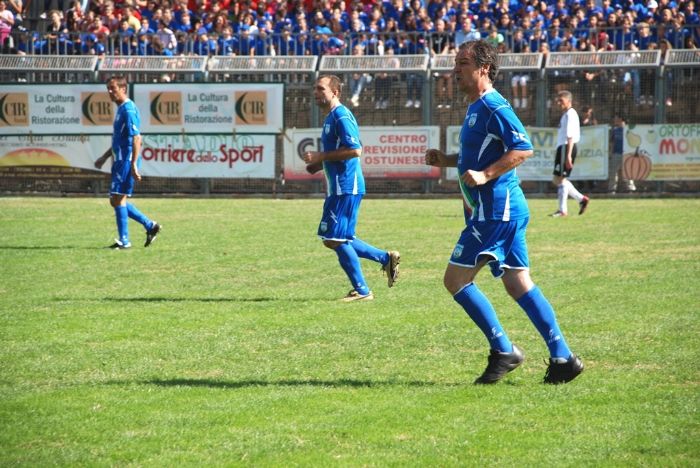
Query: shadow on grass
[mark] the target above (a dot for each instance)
(340, 383)
(48, 247)
(203, 299)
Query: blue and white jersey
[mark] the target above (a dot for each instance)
(340, 130)
(490, 129)
(127, 123)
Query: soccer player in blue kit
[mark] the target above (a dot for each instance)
(493, 142)
(339, 157)
(126, 148)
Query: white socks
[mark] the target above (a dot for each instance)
(561, 197)
(573, 193)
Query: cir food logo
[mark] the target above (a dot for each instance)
(251, 108)
(14, 110)
(166, 108)
(97, 109)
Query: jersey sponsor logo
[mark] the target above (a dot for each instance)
(166, 108)
(472, 120)
(251, 108)
(97, 109)
(14, 110)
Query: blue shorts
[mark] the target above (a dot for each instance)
(339, 217)
(122, 179)
(502, 241)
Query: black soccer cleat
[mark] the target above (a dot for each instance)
(500, 364)
(152, 233)
(118, 245)
(583, 204)
(562, 372)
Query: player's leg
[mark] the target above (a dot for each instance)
(468, 257)
(504, 356)
(558, 181)
(118, 202)
(389, 260)
(336, 229)
(121, 187)
(152, 227)
(563, 364)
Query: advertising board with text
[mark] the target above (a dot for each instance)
(57, 109)
(591, 160)
(388, 152)
(210, 108)
(662, 152)
(246, 156)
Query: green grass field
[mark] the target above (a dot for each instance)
(224, 343)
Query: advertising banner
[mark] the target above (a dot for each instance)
(247, 156)
(210, 108)
(213, 156)
(591, 160)
(388, 152)
(662, 152)
(56, 109)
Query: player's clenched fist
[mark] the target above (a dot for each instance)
(435, 157)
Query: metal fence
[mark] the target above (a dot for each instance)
(402, 90)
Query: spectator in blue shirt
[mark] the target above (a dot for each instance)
(227, 44)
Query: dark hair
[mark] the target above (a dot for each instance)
(119, 80)
(334, 83)
(484, 54)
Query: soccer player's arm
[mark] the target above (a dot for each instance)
(350, 146)
(435, 157)
(136, 151)
(103, 159)
(511, 131)
(133, 124)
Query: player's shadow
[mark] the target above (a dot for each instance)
(204, 299)
(340, 383)
(47, 247)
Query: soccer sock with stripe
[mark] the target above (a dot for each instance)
(483, 314)
(350, 263)
(139, 217)
(541, 314)
(364, 250)
(122, 223)
(562, 190)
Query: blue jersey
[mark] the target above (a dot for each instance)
(340, 131)
(127, 123)
(490, 129)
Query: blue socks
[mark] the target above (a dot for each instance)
(122, 216)
(541, 314)
(350, 262)
(369, 252)
(139, 217)
(483, 314)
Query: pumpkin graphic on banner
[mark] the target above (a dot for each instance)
(637, 165)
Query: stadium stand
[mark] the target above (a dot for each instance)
(629, 58)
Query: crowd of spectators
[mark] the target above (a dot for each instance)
(318, 27)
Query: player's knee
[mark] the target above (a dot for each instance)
(452, 284)
(331, 244)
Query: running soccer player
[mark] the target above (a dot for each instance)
(339, 157)
(493, 142)
(126, 148)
